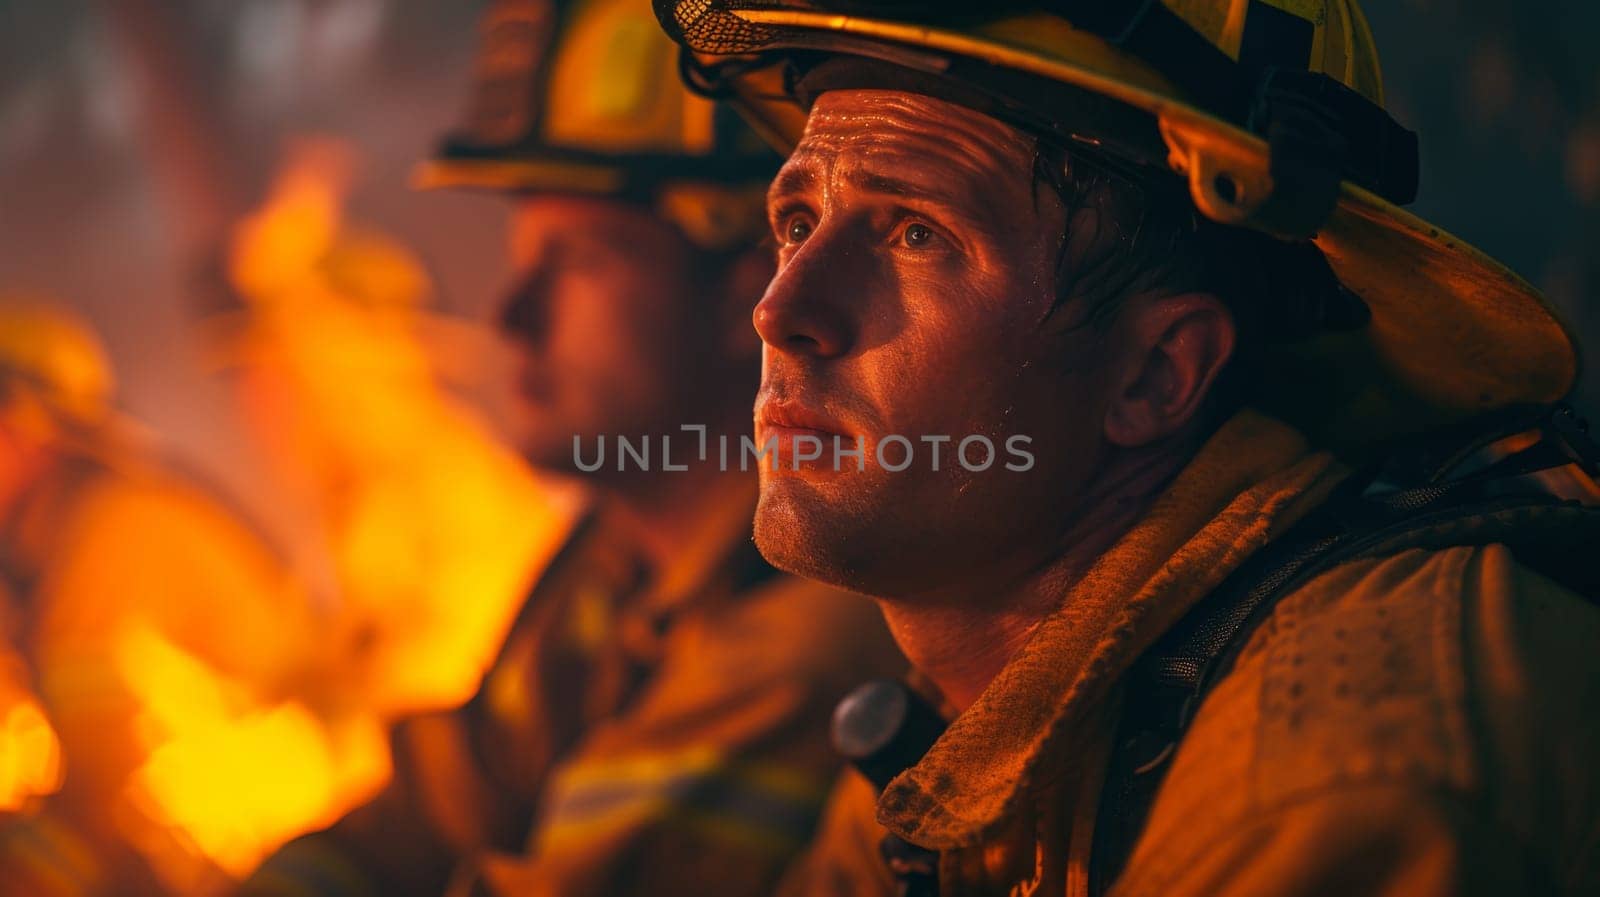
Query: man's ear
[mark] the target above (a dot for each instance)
(743, 283)
(1174, 348)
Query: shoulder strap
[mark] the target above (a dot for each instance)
(1437, 494)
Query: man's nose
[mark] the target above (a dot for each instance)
(803, 311)
(524, 310)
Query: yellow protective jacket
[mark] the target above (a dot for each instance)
(624, 742)
(1419, 724)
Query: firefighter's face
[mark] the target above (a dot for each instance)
(603, 312)
(913, 299)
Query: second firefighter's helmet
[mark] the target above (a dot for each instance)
(584, 96)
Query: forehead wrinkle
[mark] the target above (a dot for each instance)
(901, 136)
(919, 125)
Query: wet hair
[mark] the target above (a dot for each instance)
(1145, 236)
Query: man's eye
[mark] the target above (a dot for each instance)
(797, 230)
(918, 235)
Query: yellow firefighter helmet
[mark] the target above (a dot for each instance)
(1269, 110)
(584, 96)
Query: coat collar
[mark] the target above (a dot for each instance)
(1250, 481)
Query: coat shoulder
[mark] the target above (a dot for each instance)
(1456, 672)
(1360, 674)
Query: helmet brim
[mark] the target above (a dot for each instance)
(1453, 333)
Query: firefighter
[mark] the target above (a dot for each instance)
(419, 523)
(655, 721)
(1277, 602)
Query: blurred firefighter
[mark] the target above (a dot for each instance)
(164, 641)
(424, 528)
(656, 720)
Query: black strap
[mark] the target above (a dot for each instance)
(1368, 516)
(1275, 38)
(1160, 37)
(1320, 130)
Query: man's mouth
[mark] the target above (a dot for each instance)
(800, 432)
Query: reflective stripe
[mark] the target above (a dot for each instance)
(310, 866)
(51, 856)
(764, 806)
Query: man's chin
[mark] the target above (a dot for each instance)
(801, 530)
